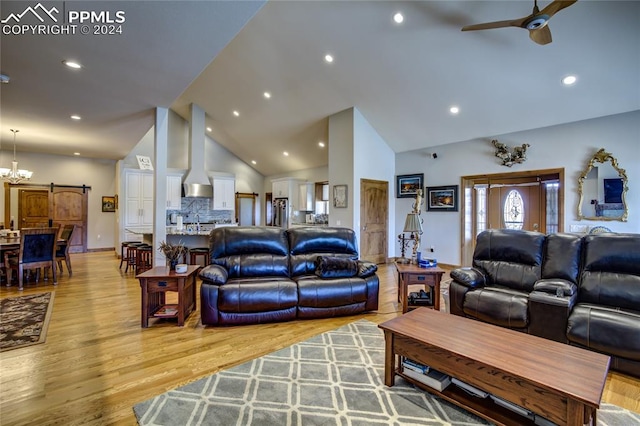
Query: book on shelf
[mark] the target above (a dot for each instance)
(415, 366)
(433, 378)
(167, 311)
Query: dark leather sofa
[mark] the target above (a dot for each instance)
(268, 274)
(584, 291)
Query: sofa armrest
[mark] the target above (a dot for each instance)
(214, 274)
(556, 286)
(366, 268)
(469, 277)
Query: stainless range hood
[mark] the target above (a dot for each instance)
(196, 182)
(197, 190)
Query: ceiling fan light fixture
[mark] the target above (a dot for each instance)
(537, 22)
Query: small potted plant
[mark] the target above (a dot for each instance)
(174, 253)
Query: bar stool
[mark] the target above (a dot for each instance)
(144, 259)
(198, 251)
(123, 249)
(132, 256)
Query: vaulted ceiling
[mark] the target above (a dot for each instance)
(403, 78)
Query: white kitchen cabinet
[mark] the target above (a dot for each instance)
(138, 198)
(281, 189)
(306, 196)
(224, 193)
(174, 192)
(288, 188)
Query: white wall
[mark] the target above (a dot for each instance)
(372, 160)
(69, 170)
(569, 146)
(341, 157)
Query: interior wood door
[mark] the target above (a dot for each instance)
(33, 210)
(374, 220)
(515, 207)
(69, 207)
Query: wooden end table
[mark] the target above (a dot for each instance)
(557, 381)
(154, 284)
(410, 274)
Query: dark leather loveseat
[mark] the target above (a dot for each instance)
(268, 274)
(584, 291)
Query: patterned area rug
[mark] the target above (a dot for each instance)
(24, 320)
(335, 378)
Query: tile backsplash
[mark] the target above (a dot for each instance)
(203, 208)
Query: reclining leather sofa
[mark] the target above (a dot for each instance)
(268, 274)
(584, 291)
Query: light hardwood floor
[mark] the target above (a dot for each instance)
(97, 362)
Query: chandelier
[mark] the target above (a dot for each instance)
(14, 175)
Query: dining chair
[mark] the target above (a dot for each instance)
(62, 247)
(37, 250)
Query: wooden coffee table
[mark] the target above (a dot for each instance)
(154, 284)
(409, 274)
(559, 382)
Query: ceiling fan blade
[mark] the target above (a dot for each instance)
(541, 35)
(556, 6)
(497, 24)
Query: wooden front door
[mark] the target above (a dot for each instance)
(374, 220)
(33, 211)
(515, 207)
(69, 207)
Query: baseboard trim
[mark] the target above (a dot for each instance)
(94, 250)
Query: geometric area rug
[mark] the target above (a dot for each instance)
(24, 320)
(334, 378)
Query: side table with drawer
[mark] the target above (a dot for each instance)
(410, 274)
(154, 284)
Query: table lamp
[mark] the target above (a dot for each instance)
(413, 225)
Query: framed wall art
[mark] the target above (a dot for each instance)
(109, 204)
(407, 185)
(442, 198)
(340, 196)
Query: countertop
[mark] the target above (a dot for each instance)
(171, 230)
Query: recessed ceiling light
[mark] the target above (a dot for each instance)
(236, 113)
(569, 80)
(286, 154)
(454, 110)
(398, 18)
(254, 162)
(72, 64)
(321, 144)
(328, 58)
(267, 95)
(76, 153)
(76, 117)
(209, 129)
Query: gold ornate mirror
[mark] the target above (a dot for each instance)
(603, 187)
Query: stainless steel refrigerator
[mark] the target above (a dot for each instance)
(281, 212)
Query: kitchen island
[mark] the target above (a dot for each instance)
(189, 238)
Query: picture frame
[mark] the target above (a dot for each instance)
(109, 204)
(340, 196)
(442, 198)
(407, 185)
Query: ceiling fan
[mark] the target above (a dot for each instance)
(536, 23)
